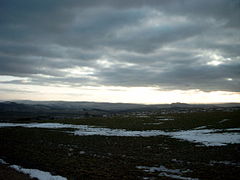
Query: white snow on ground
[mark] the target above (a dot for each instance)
(34, 173)
(85, 130)
(2, 161)
(228, 163)
(153, 123)
(159, 169)
(117, 132)
(142, 116)
(172, 173)
(165, 119)
(201, 127)
(82, 152)
(174, 176)
(207, 137)
(224, 120)
(43, 125)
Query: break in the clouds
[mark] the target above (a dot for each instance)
(168, 45)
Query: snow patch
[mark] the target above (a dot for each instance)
(43, 125)
(201, 127)
(174, 176)
(172, 173)
(153, 123)
(34, 173)
(159, 169)
(165, 119)
(82, 152)
(2, 161)
(207, 137)
(117, 132)
(224, 120)
(228, 163)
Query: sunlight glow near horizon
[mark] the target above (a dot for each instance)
(145, 95)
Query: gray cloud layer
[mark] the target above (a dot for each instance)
(169, 44)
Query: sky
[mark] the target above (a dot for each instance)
(133, 51)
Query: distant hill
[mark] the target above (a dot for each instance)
(84, 105)
(26, 105)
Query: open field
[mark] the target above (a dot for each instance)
(156, 146)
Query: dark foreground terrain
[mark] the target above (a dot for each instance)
(123, 154)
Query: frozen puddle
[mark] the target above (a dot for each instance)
(34, 173)
(207, 137)
(172, 173)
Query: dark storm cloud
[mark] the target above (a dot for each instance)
(182, 77)
(170, 44)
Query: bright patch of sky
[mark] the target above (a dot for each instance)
(146, 95)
